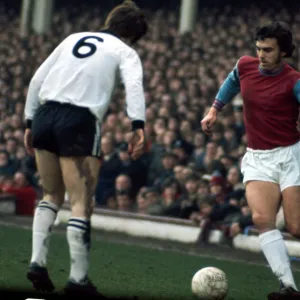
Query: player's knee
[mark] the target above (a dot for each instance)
(56, 196)
(57, 199)
(263, 221)
(294, 229)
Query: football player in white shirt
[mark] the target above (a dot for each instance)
(67, 99)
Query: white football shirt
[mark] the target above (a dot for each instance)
(83, 70)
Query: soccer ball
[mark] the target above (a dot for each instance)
(210, 284)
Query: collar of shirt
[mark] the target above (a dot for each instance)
(108, 31)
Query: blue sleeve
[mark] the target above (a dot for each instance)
(230, 87)
(297, 90)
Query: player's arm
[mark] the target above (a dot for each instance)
(297, 95)
(228, 90)
(131, 71)
(132, 77)
(297, 90)
(32, 99)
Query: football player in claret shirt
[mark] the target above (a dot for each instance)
(270, 89)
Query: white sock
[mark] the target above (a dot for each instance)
(275, 251)
(44, 217)
(78, 235)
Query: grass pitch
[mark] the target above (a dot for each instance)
(120, 270)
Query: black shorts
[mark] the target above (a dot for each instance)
(66, 130)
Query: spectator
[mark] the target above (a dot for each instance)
(135, 169)
(109, 169)
(188, 203)
(234, 178)
(141, 203)
(242, 222)
(123, 184)
(203, 161)
(153, 200)
(6, 165)
(25, 194)
(217, 188)
(169, 161)
(109, 198)
(183, 150)
(170, 198)
(124, 201)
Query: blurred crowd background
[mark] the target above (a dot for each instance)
(183, 173)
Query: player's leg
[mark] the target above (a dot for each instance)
(77, 133)
(44, 217)
(53, 196)
(290, 187)
(80, 177)
(264, 198)
(291, 207)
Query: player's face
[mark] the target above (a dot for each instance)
(269, 53)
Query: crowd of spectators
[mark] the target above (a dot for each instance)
(183, 173)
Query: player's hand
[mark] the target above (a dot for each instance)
(209, 121)
(28, 142)
(136, 145)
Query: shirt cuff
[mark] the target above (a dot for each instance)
(28, 124)
(218, 105)
(137, 124)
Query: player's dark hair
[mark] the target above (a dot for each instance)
(279, 31)
(128, 21)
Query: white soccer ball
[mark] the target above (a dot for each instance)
(210, 284)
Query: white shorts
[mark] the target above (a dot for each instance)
(280, 165)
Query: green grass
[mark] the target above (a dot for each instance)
(124, 270)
